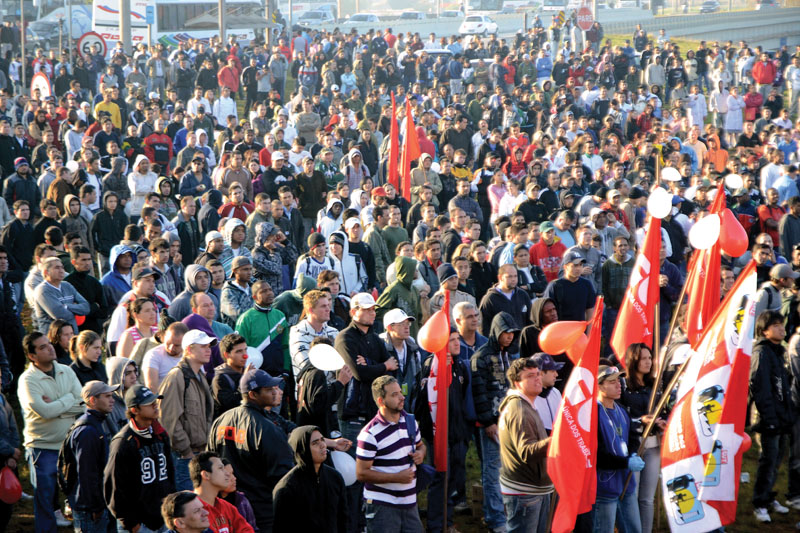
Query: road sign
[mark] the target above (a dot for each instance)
(86, 41)
(585, 18)
(150, 15)
(41, 82)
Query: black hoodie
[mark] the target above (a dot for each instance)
(208, 218)
(90, 288)
(489, 365)
(108, 228)
(305, 499)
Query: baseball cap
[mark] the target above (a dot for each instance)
(593, 212)
(277, 155)
(608, 372)
(676, 199)
(362, 300)
(334, 88)
(195, 336)
(741, 191)
(72, 166)
(140, 272)
(546, 226)
(140, 395)
(213, 235)
(240, 262)
(350, 222)
(378, 191)
(154, 95)
(545, 362)
(573, 256)
(783, 271)
(396, 316)
(612, 193)
(255, 379)
(705, 183)
(96, 388)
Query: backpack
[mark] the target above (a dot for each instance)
(67, 466)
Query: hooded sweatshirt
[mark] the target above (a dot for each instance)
(353, 175)
(139, 184)
(75, 223)
(401, 294)
(115, 369)
(181, 307)
(229, 254)
(489, 365)
(306, 499)
(290, 303)
(267, 264)
(208, 218)
(329, 223)
(107, 227)
(352, 274)
(114, 283)
(115, 181)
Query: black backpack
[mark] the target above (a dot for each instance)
(67, 468)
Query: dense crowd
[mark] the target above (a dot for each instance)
(179, 255)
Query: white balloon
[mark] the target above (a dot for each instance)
(670, 174)
(734, 181)
(705, 232)
(254, 357)
(659, 204)
(344, 464)
(435, 167)
(325, 357)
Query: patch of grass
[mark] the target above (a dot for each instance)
(684, 44)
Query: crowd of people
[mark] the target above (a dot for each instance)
(179, 255)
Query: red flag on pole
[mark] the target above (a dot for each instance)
(572, 454)
(438, 389)
(703, 284)
(411, 151)
(637, 314)
(394, 149)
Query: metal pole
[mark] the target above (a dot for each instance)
(221, 20)
(69, 37)
(125, 25)
(289, 20)
(23, 79)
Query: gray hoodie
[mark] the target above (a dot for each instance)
(115, 369)
(181, 306)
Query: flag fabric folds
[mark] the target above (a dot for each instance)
(637, 314)
(394, 149)
(411, 152)
(702, 446)
(438, 387)
(572, 454)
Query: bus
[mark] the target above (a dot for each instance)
(178, 21)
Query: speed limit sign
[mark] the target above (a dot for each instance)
(88, 39)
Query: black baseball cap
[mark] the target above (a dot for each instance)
(140, 395)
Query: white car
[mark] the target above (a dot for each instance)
(478, 25)
(311, 18)
(412, 15)
(361, 18)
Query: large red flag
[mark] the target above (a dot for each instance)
(637, 314)
(411, 151)
(702, 285)
(438, 388)
(394, 149)
(572, 454)
(704, 441)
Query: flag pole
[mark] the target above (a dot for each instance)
(446, 404)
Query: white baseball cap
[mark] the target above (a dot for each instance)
(362, 300)
(277, 155)
(396, 316)
(196, 336)
(350, 222)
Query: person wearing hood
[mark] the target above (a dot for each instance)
(89, 287)
(202, 318)
(311, 496)
(505, 296)
(488, 366)
(116, 181)
(234, 234)
(122, 373)
(332, 220)
(72, 221)
(215, 245)
(196, 278)
(267, 262)
(350, 267)
(141, 181)
(543, 312)
(421, 175)
(169, 202)
(290, 302)
(118, 280)
(202, 146)
(208, 217)
(107, 228)
(356, 170)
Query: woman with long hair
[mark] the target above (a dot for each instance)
(85, 350)
(142, 324)
(59, 335)
(636, 390)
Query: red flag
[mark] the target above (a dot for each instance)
(703, 284)
(571, 456)
(411, 151)
(637, 314)
(704, 440)
(394, 149)
(438, 388)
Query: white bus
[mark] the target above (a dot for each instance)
(177, 21)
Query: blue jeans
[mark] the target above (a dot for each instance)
(182, 479)
(385, 519)
(607, 510)
(142, 529)
(84, 523)
(527, 514)
(42, 464)
(354, 494)
(493, 510)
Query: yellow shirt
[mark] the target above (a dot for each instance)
(112, 109)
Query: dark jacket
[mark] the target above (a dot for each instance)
(350, 343)
(190, 236)
(89, 373)
(17, 237)
(489, 366)
(108, 228)
(305, 499)
(484, 275)
(529, 340)
(316, 398)
(138, 475)
(458, 420)
(225, 389)
(18, 188)
(769, 388)
(89, 444)
(208, 218)
(90, 288)
(494, 302)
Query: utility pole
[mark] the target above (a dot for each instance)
(24, 78)
(69, 29)
(221, 20)
(125, 25)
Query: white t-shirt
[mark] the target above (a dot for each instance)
(159, 359)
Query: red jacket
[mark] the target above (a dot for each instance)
(764, 73)
(158, 148)
(240, 211)
(228, 77)
(548, 258)
(225, 518)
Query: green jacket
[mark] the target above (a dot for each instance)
(401, 294)
(377, 242)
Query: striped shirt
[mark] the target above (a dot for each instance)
(388, 446)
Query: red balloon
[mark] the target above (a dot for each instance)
(732, 236)
(746, 443)
(10, 488)
(557, 337)
(80, 319)
(433, 335)
(575, 351)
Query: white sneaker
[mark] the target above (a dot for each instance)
(762, 515)
(61, 521)
(794, 503)
(26, 497)
(778, 508)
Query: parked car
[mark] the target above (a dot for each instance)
(451, 14)
(710, 6)
(310, 18)
(767, 4)
(361, 18)
(626, 4)
(478, 25)
(412, 15)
